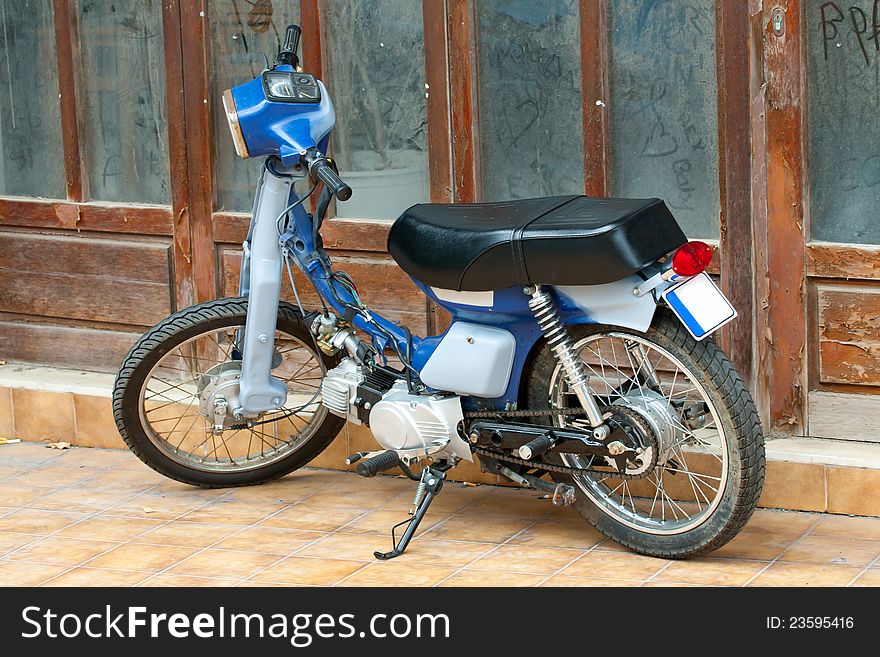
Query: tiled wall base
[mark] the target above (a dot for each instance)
(43, 404)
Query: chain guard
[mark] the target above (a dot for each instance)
(543, 465)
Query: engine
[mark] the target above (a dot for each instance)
(401, 421)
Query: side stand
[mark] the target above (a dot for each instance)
(430, 484)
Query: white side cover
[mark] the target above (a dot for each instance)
(613, 303)
(471, 359)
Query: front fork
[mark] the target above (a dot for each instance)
(262, 268)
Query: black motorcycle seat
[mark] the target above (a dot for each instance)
(558, 240)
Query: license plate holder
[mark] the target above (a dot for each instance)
(699, 305)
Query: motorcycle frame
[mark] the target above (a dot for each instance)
(277, 203)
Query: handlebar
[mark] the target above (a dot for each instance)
(321, 169)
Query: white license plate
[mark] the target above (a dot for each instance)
(700, 305)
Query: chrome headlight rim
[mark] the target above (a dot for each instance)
(234, 126)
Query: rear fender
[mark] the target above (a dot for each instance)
(613, 304)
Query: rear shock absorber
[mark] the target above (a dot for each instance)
(543, 307)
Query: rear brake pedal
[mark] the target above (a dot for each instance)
(561, 494)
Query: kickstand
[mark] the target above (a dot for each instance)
(430, 484)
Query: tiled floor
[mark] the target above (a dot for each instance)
(99, 517)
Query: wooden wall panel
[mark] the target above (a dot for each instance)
(84, 278)
(844, 417)
(84, 255)
(64, 346)
(105, 217)
(849, 335)
(828, 260)
(381, 284)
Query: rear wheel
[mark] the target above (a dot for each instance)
(177, 388)
(704, 476)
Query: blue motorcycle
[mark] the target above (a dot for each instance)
(578, 361)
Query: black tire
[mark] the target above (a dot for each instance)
(169, 334)
(739, 419)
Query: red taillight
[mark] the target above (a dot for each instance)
(692, 258)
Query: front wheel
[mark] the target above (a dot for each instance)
(177, 389)
(704, 470)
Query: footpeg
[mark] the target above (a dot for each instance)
(379, 463)
(429, 485)
(537, 447)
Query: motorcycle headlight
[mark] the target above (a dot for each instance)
(234, 127)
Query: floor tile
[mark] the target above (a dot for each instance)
(487, 578)
(224, 563)
(82, 500)
(381, 521)
(837, 550)
(98, 577)
(848, 527)
(711, 572)
(134, 556)
(20, 494)
(436, 552)
(589, 582)
(37, 521)
(395, 573)
(10, 541)
(359, 547)
(871, 577)
(187, 534)
(311, 517)
(270, 540)
(799, 574)
(233, 512)
(755, 546)
(155, 507)
(302, 570)
(614, 565)
(526, 559)
(108, 528)
(560, 534)
(781, 522)
(14, 573)
(63, 551)
(173, 580)
(476, 528)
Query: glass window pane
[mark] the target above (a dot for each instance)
(843, 78)
(122, 91)
(529, 78)
(663, 112)
(375, 59)
(31, 153)
(244, 34)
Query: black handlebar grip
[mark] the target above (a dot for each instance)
(291, 38)
(287, 54)
(325, 173)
